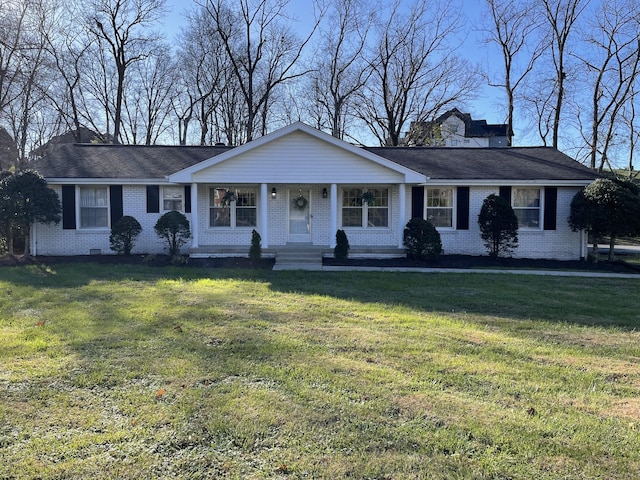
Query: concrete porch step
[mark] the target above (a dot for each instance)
(299, 257)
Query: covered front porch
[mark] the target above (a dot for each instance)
(297, 216)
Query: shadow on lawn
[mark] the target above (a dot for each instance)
(602, 302)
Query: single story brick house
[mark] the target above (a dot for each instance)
(298, 186)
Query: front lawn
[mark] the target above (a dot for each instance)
(129, 372)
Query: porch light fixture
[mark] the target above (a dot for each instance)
(273, 192)
(324, 192)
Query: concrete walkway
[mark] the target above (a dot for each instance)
(551, 273)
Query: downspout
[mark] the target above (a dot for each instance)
(33, 241)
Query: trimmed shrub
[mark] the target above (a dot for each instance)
(422, 240)
(498, 226)
(123, 235)
(173, 227)
(255, 252)
(341, 250)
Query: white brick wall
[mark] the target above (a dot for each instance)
(561, 243)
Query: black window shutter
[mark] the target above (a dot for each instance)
(462, 208)
(550, 207)
(69, 207)
(187, 199)
(417, 202)
(153, 198)
(505, 192)
(115, 197)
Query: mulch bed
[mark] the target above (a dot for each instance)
(445, 261)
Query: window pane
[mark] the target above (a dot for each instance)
(526, 197)
(93, 197)
(246, 217)
(172, 198)
(94, 210)
(93, 217)
(246, 198)
(352, 197)
(528, 217)
(381, 196)
(440, 197)
(220, 217)
(352, 217)
(216, 195)
(440, 217)
(378, 217)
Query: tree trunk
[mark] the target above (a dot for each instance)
(612, 244)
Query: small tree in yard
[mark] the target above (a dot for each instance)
(422, 240)
(123, 235)
(173, 227)
(606, 207)
(25, 198)
(255, 252)
(498, 226)
(341, 250)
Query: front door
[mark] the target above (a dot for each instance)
(299, 218)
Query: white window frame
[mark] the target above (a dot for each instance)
(452, 207)
(538, 208)
(233, 207)
(364, 208)
(166, 189)
(106, 207)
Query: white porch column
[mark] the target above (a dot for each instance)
(333, 224)
(264, 222)
(195, 243)
(402, 212)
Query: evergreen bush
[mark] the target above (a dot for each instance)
(123, 235)
(173, 227)
(498, 226)
(422, 240)
(255, 252)
(341, 250)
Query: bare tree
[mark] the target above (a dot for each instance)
(148, 101)
(514, 28)
(263, 52)
(612, 66)
(340, 67)
(561, 16)
(30, 82)
(416, 72)
(13, 18)
(123, 26)
(67, 45)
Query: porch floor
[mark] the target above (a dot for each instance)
(295, 256)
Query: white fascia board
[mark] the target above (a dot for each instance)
(185, 176)
(492, 183)
(107, 181)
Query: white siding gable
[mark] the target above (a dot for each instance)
(299, 155)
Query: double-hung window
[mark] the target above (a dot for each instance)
(526, 206)
(440, 207)
(233, 207)
(365, 208)
(94, 207)
(172, 198)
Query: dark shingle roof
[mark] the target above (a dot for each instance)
(156, 162)
(120, 161)
(515, 163)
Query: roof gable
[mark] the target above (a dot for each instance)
(298, 154)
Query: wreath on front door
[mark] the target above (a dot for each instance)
(300, 203)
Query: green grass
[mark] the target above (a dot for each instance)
(140, 372)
